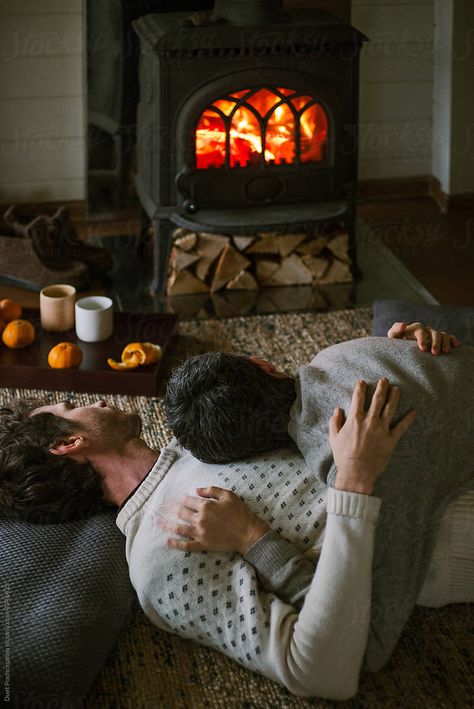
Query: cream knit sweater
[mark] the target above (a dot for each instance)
(215, 598)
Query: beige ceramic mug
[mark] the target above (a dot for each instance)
(57, 307)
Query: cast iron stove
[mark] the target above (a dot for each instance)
(247, 121)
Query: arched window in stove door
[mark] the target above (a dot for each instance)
(261, 127)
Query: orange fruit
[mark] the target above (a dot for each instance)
(9, 310)
(146, 352)
(65, 355)
(18, 334)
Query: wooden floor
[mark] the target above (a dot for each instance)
(438, 249)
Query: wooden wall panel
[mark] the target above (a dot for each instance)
(396, 87)
(42, 126)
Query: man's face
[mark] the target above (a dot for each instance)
(99, 421)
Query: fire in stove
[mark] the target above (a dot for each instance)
(261, 126)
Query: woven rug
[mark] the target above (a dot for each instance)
(432, 664)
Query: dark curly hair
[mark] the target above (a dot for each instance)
(222, 407)
(36, 486)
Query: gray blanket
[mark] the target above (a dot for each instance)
(66, 594)
(433, 463)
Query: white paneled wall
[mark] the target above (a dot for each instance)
(396, 87)
(42, 127)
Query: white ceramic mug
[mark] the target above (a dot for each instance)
(94, 318)
(57, 307)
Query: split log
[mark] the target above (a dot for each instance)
(186, 242)
(211, 245)
(265, 244)
(205, 262)
(181, 259)
(287, 243)
(339, 246)
(314, 246)
(184, 283)
(242, 281)
(338, 272)
(292, 272)
(230, 263)
(264, 270)
(243, 242)
(317, 265)
(180, 231)
(203, 267)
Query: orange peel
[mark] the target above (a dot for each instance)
(130, 363)
(136, 354)
(146, 352)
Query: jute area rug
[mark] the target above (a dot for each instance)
(432, 664)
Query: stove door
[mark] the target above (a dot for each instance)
(258, 144)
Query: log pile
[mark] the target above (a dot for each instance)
(208, 263)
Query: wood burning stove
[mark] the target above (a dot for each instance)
(247, 121)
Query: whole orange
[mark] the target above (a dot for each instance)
(65, 355)
(18, 334)
(9, 310)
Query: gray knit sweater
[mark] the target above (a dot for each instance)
(432, 464)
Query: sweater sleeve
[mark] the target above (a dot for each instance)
(281, 568)
(320, 651)
(316, 652)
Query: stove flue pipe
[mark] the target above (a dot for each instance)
(246, 12)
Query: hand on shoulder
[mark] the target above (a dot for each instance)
(363, 443)
(428, 339)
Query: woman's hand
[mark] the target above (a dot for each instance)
(217, 520)
(363, 444)
(428, 338)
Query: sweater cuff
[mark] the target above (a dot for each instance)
(269, 554)
(353, 504)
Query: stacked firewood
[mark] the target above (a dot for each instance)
(202, 263)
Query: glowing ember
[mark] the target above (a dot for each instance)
(242, 122)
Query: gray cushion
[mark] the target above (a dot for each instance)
(68, 593)
(456, 319)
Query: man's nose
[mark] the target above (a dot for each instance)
(100, 404)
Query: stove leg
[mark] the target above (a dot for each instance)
(163, 229)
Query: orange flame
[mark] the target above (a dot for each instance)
(264, 112)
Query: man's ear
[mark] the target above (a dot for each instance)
(268, 367)
(71, 445)
(262, 363)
